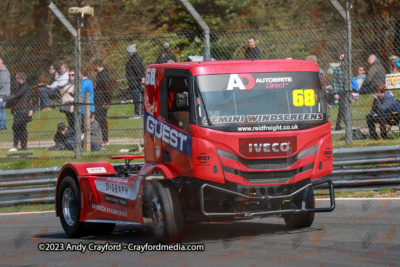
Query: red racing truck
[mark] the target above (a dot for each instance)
(224, 140)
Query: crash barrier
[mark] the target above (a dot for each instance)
(365, 167)
(355, 167)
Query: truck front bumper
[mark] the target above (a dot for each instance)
(267, 198)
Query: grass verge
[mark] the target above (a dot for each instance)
(382, 193)
(46, 163)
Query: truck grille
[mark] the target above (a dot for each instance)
(267, 171)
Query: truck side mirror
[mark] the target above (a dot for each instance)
(182, 100)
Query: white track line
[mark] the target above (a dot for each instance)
(366, 198)
(27, 212)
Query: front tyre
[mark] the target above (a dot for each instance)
(69, 207)
(163, 208)
(304, 219)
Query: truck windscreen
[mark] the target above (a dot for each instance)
(260, 101)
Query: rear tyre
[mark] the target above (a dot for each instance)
(69, 207)
(163, 208)
(304, 219)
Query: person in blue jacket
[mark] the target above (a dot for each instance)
(384, 107)
(86, 87)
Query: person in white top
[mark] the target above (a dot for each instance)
(51, 89)
(67, 99)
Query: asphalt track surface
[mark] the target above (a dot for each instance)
(359, 232)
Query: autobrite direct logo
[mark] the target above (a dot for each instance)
(245, 81)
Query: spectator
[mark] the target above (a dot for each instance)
(354, 87)
(22, 111)
(166, 55)
(396, 66)
(357, 81)
(252, 51)
(67, 100)
(63, 135)
(321, 71)
(383, 106)
(102, 96)
(87, 87)
(362, 74)
(4, 92)
(53, 75)
(95, 135)
(393, 59)
(53, 89)
(135, 77)
(96, 138)
(339, 88)
(376, 75)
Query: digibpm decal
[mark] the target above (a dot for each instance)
(121, 190)
(173, 138)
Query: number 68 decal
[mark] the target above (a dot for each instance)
(304, 97)
(150, 76)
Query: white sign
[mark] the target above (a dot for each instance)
(393, 81)
(96, 170)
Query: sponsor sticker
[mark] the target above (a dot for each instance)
(271, 146)
(203, 158)
(246, 81)
(96, 170)
(120, 190)
(265, 118)
(116, 200)
(328, 153)
(175, 139)
(109, 210)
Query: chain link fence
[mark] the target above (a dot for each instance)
(116, 95)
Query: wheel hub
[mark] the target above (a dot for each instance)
(69, 207)
(158, 219)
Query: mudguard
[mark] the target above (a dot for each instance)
(108, 198)
(105, 196)
(83, 169)
(167, 171)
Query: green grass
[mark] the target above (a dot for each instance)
(359, 111)
(44, 124)
(385, 192)
(44, 161)
(364, 143)
(122, 131)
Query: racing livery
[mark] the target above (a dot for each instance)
(223, 140)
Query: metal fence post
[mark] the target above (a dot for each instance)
(348, 116)
(77, 94)
(87, 139)
(77, 36)
(348, 91)
(203, 26)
